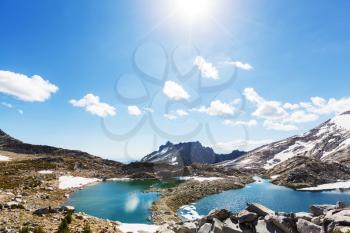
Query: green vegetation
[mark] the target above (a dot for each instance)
(64, 226)
(24, 230)
(87, 228)
(38, 230)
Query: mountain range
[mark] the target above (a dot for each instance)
(188, 153)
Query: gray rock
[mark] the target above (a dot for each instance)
(284, 223)
(341, 229)
(42, 211)
(247, 217)
(318, 210)
(266, 227)
(303, 215)
(317, 220)
(188, 227)
(345, 212)
(222, 215)
(217, 226)
(205, 228)
(338, 220)
(230, 227)
(259, 209)
(68, 208)
(341, 205)
(304, 226)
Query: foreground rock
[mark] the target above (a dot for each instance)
(257, 218)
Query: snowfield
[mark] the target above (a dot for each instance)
(131, 227)
(4, 158)
(330, 186)
(45, 172)
(66, 182)
(199, 178)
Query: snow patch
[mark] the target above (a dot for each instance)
(329, 186)
(119, 179)
(131, 227)
(66, 182)
(342, 121)
(199, 178)
(4, 158)
(189, 213)
(45, 172)
(274, 177)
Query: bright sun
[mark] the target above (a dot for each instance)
(193, 10)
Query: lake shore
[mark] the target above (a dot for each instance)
(164, 209)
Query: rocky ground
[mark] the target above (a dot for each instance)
(300, 172)
(164, 209)
(260, 219)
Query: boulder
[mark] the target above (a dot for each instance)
(217, 226)
(230, 227)
(284, 223)
(188, 227)
(345, 212)
(259, 209)
(266, 227)
(221, 215)
(206, 228)
(303, 215)
(247, 217)
(341, 205)
(14, 205)
(341, 229)
(338, 220)
(318, 210)
(68, 208)
(42, 211)
(304, 226)
(317, 220)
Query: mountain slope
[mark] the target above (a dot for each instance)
(188, 153)
(329, 142)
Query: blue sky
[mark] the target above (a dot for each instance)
(282, 65)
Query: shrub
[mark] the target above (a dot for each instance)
(63, 227)
(38, 230)
(87, 228)
(24, 230)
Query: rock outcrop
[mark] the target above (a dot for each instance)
(257, 218)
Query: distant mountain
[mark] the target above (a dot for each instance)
(188, 153)
(329, 142)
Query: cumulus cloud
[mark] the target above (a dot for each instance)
(170, 116)
(290, 106)
(29, 89)
(250, 123)
(244, 145)
(240, 65)
(7, 105)
(301, 117)
(321, 106)
(181, 113)
(134, 110)
(175, 91)
(92, 104)
(216, 108)
(271, 125)
(207, 69)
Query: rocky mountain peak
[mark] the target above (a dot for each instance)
(346, 113)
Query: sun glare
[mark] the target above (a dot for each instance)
(193, 10)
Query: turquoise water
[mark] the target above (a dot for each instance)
(277, 198)
(123, 201)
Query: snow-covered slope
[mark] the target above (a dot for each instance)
(328, 142)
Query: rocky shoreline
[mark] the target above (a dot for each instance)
(164, 209)
(257, 218)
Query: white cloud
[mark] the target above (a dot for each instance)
(29, 89)
(92, 104)
(290, 106)
(7, 105)
(134, 110)
(175, 91)
(320, 106)
(264, 109)
(271, 125)
(301, 117)
(240, 65)
(20, 111)
(169, 116)
(216, 108)
(181, 113)
(250, 123)
(207, 69)
(150, 110)
(245, 145)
